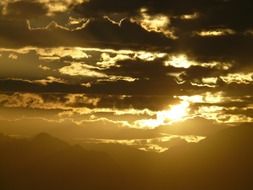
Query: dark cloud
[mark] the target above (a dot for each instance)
(14, 85)
(101, 8)
(98, 33)
(132, 7)
(143, 69)
(232, 13)
(160, 86)
(131, 54)
(232, 48)
(25, 9)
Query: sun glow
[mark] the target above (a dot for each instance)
(174, 114)
(179, 61)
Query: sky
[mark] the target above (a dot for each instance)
(142, 73)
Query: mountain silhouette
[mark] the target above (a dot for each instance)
(44, 162)
(222, 161)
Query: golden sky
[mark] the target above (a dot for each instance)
(130, 72)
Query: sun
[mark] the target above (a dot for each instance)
(175, 113)
(179, 61)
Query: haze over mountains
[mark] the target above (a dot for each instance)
(222, 161)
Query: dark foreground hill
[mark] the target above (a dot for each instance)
(223, 161)
(46, 163)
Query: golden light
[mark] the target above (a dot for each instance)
(156, 23)
(179, 61)
(190, 16)
(176, 113)
(216, 32)
(238, 78)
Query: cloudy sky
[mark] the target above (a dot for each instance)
(136, 72)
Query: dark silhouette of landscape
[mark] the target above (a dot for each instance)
(222, 161)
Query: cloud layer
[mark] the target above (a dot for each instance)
(127, 62)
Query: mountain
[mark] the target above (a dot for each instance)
(44, 162)
(222, 161)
